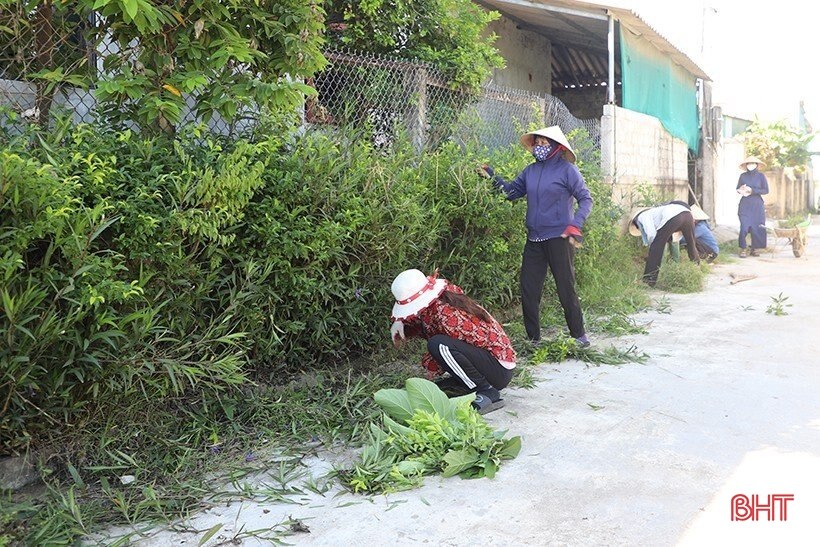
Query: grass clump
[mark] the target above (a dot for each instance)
(681, 277)
(778, 305)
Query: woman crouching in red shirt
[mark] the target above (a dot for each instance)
(463, 339)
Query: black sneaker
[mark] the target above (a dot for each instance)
(487, 401)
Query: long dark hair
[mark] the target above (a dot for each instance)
(465, 304)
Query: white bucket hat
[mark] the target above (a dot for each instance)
(553, 132)
(414, 291)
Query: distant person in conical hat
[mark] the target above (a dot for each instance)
(558, 204)
(751, 210)
(658, 225)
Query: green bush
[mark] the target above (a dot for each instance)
(149, 282)
(149, 267)
(77, 322)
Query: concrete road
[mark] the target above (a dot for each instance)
(727, 404)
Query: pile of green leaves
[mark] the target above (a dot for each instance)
(425, 432)
(563, 347)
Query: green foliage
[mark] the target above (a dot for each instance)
(227, 57)
(778, 305)
(647, 195)
(605, 269)
(799, 220)
(618, 324)
(145, 276)
(777, 144)
(182, 453)
(563, 347)
(160, 266)
(425, 432)
(684, 276)
(76, 321)
(449, 34)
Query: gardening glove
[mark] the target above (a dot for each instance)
(486, 171)
(397, 333)
(574, 235)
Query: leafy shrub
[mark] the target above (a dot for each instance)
(777, 144)
(151, 267)
(76, 320)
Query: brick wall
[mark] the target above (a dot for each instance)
(636, 150)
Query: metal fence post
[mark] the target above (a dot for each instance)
(415, 81)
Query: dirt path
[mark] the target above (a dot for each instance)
(728, 403)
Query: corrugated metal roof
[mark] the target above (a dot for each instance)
(574, 67)
(579, 30)
(633, 22)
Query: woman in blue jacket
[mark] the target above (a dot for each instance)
(751, 210)
(553, 185)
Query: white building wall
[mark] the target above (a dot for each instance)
(727, 171)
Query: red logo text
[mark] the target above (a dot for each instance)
(754, 507)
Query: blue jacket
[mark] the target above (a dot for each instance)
(550, 187)
(704, 236)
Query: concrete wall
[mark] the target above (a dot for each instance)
(21, 97)
(584, 103)
(528, 56)
(637, 150)
(789, 193)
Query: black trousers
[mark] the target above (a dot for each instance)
(681, 222)
(558, 255)
(474, 366)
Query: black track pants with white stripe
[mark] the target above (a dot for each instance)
(474, 366)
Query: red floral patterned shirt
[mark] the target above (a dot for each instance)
(441, 318)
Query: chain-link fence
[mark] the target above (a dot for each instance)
(389, 95)
(47, 65)
(45, 62)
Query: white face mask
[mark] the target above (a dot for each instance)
(751, 166)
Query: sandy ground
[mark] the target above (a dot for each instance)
(642, 454)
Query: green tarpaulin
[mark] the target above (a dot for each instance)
(653, 84)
